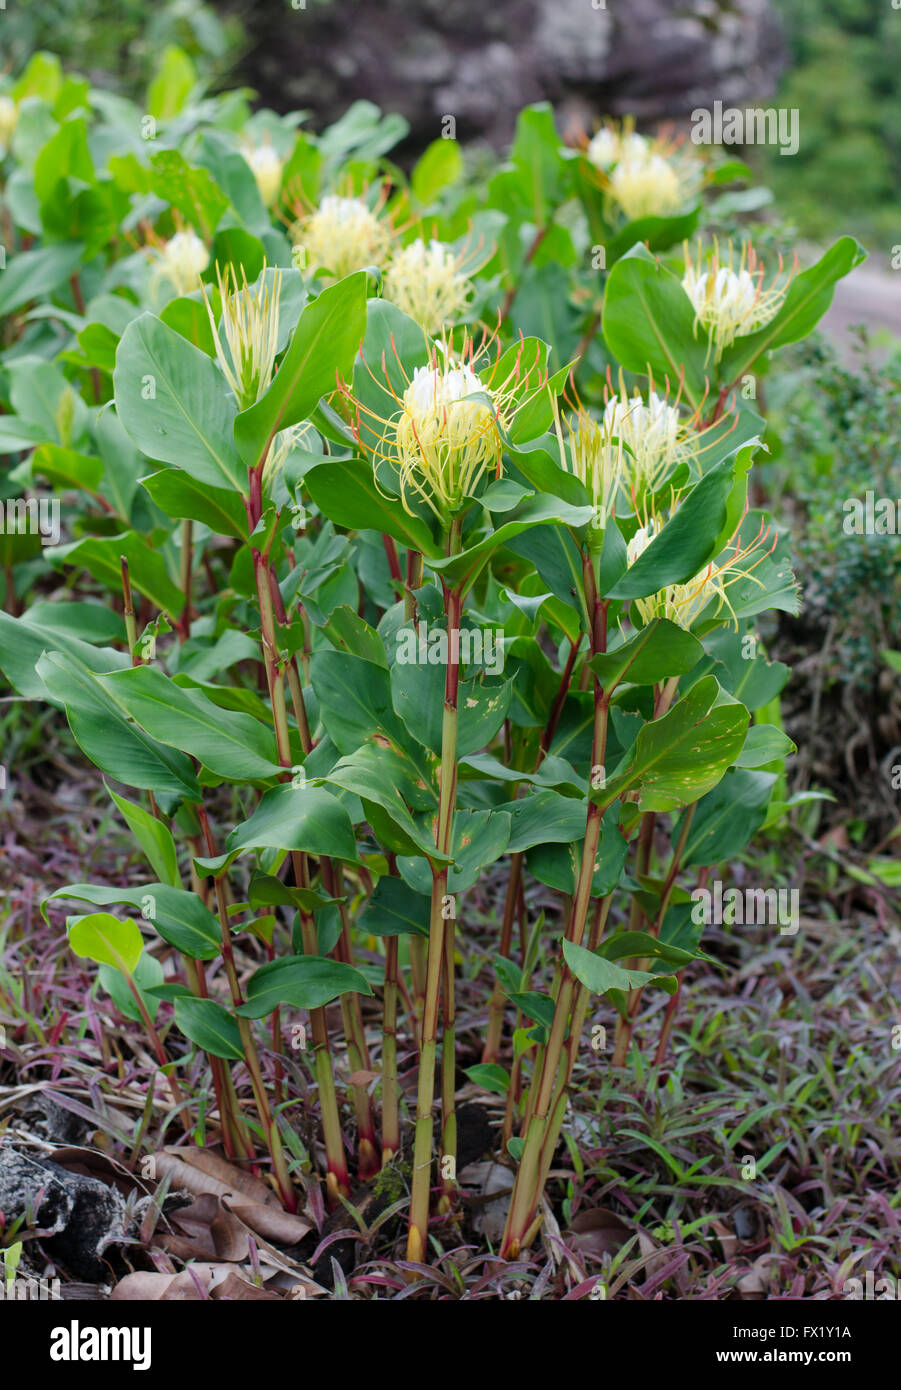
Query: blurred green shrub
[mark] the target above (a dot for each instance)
(119, 45)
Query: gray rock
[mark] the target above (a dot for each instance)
(481, 63)
(80, 1217)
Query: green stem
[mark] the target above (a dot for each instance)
(390, 1085)
(417, 1235)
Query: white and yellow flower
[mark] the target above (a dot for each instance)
(647, 178)
(426, 282)
(181, 261)
(250, 327)
(729, 296)
(447, 433)
(267, 167)
(683, 604)
(340, 236)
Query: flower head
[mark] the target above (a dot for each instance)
(647, 186)
(648, 178)
(267, 168)
(587, 453)
(611, 144)
(181, 261)
(250, 326)
(426, 282)
(729, 297)
(650, 438)
(683, 604)
(340, 236)
(447, 432)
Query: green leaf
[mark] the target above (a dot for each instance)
(24, 640)
(649, 324)
(106, 939)
(808, 298)
(641, 944)
(102, 556)
(439, 166)
(463, 569)
(117, 747)
(479, 839)
(179, 495)
(322, 349)
(536, 156)
(174, 403)
(600, 975)
(191, 191)
(303, 982)
(233, 745)
(764, 744)
(682, 755)
(395, 910)
(66, 468)
(345, 491)
(490, 1076)
(267, 891)
(33, 274)
(148, 975)
(210, 1026)
(154, 838)
(686, 543)
(172, 85)
(657, 652)
(297, 818)
(178, 916)
(728, 817)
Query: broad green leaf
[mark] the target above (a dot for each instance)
(764, 744)
(154, 838)
(66, 468)
(303, 982)
(178, 916)
(439, 166)
(479, 839)
(297, 818)
(463, 569)
(175, 404)
(686, 542)
(322, 349)
(210, 1026)
(649, 324)
(24, 640)
(728, 817)
(33, 274)
(233, 745)
(102, 556)
(172, 85)
(682, 755)
(655, 653)
(600, 975)
(101, 729)
(178, 494)
(148, 974)
(395, 910)
(106, 939)
(491, 1076)
(345, 491)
